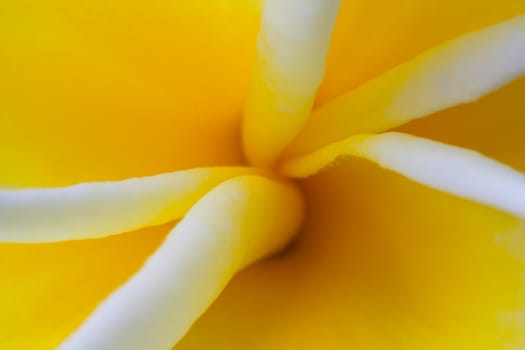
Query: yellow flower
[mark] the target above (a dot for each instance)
(392, 133)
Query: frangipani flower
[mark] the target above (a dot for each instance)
(386, 139)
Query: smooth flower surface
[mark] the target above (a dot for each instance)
(381, 204)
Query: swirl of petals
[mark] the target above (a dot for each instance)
(238, 222)
(99, 209)
(456, 72)
(231, 217)
(451, 169)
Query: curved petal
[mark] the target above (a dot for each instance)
(494, 125)
(98, 90)
(49, 289)
(458, 171)
(237, 223)
(292, 45)
(384, 263)
(371, 38)
(92, 210)
(456, 72)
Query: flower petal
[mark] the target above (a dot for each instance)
(494, 125)
(107, 90)
(292, 45)
(456, 72)
(237, 223)
(92, 210)
(371, 38)
(48, 289)
(448, 168)
(383, 263)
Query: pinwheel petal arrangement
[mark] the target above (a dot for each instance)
(279, 174)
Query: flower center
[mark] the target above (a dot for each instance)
(291, 49)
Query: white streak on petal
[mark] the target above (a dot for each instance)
(235, 224)
(451, 169)
(459, 71)
(291, 53)
(99, 209)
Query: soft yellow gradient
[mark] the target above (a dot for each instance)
(104, 90)
(383, 263)
(107, 90)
